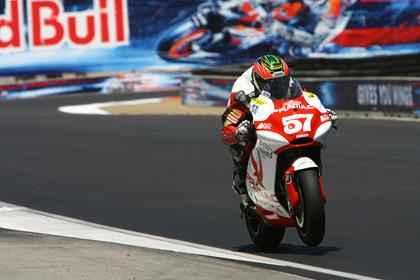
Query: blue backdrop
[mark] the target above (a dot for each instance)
(107, 35)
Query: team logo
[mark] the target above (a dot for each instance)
(288, 178)
(293, 104)
(264, 150)
(264, 126)
(278, 74)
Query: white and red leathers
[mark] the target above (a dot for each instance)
(237, 129)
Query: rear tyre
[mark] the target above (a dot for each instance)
(310, 213)
(263, 234)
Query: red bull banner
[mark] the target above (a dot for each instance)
(48, 25)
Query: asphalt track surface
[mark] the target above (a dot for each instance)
(170, 176)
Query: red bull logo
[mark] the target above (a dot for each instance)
(49, 26)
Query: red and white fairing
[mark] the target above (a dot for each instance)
(279, 125)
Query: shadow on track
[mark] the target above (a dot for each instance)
(290, 249)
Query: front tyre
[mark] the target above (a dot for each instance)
(180, 46)
(263, 234)
(310, 212)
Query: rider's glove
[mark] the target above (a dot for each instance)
(200, 18)
(333, 116)
(244, 130)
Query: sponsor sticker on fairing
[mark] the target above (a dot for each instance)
(264, 150)
(302, 135)
(264, 126)
(293, 104)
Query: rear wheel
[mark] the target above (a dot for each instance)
(263, 234)
(310, 213)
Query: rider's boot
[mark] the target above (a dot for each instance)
(239, 185)
(240, 155)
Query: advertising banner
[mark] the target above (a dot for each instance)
(382, 95)
(369, 94)
(110, 35)
(128, 82)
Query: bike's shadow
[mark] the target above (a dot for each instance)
(290, 249)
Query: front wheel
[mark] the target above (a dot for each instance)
(263, 234)
(310, 213)
(180, 46)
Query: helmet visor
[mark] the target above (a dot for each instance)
(277, 87)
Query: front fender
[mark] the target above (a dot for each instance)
(292, 192)
(303, 163)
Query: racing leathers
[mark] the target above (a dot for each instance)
(238, 131)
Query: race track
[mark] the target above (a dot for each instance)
(170, 176)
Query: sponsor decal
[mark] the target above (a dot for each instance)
(259, 102)
(311, 95)
(227, 122)
(234, 116)
(254, 108)
(302, 135)
(232, 119)
(386, 95)
(288, 178)
(265, 150)
(49, 26)
(265, 126)
(324, 118)
(278, 73)
(236, 113)
(293, 104)
(304, 163)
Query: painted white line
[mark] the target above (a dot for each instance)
(96, 108)
(28, 220)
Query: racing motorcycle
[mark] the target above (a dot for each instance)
(284, 170)
(216, 32)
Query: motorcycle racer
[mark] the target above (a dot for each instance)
(297, 26)
(327, 19)
(217, 15)
(269, 76)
